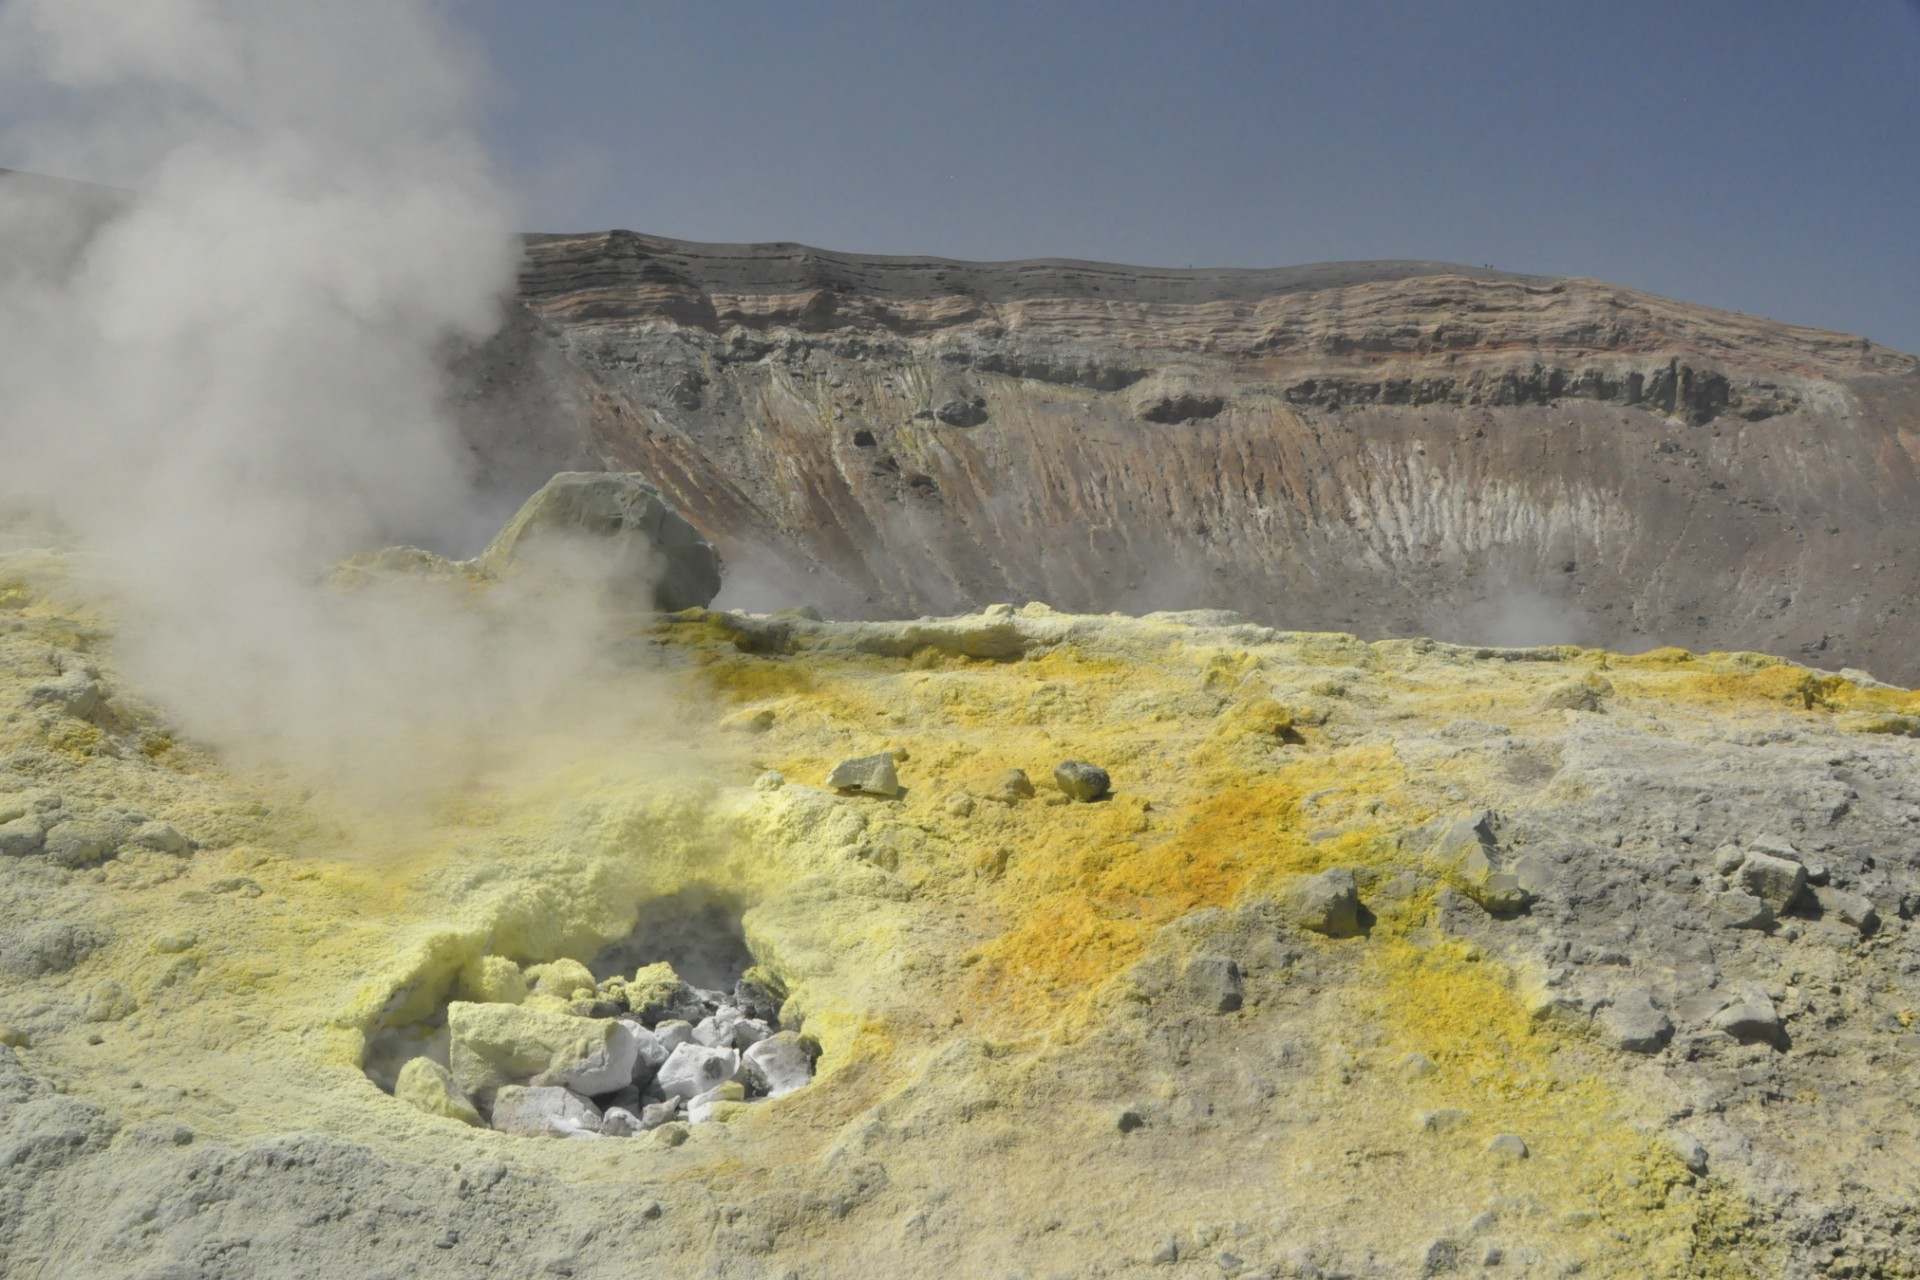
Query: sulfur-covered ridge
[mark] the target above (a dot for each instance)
(1104, 1038)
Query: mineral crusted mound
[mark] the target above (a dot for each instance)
(1372, 959)
(1390, 448)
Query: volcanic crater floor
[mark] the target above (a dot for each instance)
(1381, 959)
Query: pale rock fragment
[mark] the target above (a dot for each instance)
(1737, 910)
(491, 1045)
(692, 1069)
(673, 1033)
(866, 775)
(1775, 881)
(425, 1084)
(1848, 908)
(544, 1112)
(701, 1108)
(779, 1064)
(1631, 1022)
(1749, 1016)
(1327, 903)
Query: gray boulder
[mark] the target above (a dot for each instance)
(613, 523)
(1750, 1017)
(544, 1112)
(1848, 908)
(779, 1064)
(866, 775)
(1776, 881)
(1328, 903)
(1737, 910)
(1632, 1023)
(22, 836)
(1214, 983)
(693, 1069)
(1082, 781)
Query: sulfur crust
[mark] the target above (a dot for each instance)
(905, 928)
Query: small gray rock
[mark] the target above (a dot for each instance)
(618, 1122)
(693, 1069)
(1508, 1146)
(1775, 881)
(1632, 1023)
(963, 413)
(1848, 908)
(1750, 1017)
(1082, 781)
(1328, 903)
(866, 775)
(545, 1111)
(82, 842)
(1012, 787)
(76, 693)
(655, 1114)
(673, 1033)
(779, 1064)
(1737, 910)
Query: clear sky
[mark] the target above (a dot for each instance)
(1751, 154)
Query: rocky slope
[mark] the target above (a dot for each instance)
(1381, 959)
(1393, 448)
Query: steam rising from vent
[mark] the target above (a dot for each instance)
(231, 379)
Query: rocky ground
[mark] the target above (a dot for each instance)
(1369, 959)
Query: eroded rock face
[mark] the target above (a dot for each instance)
(1395, 448)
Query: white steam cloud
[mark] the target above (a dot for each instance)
(233, 376)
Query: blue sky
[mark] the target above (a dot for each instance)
(1754, 155)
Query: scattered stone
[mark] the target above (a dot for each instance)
(650, 1053)
(748, 1032)
(1441, 1121)
(1750, 1017)
(1440, 1257)
(1081, 781)
(1849, 908)
(958, 805)
(866, 775)
(655, 1114)
(1632, 1023)
(1775, 881)
(1328, 903)
(716, 1029)
(425, 1084)
(779, 1064)
(1508, 1146)
(618, 1122)
(1129, 1119)
(759, 994)
(491, 1045)
(544, 1111)
(673, 1033)
(700, 1109)
(692, 1069)
(14, 1037)
(1168, 1253)
(963, 412)
(1214, 983)
(1688, 1151)
(671, 1134)
(1737, 910)
(76, 693)
(1012, 787)
(1727, 858)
